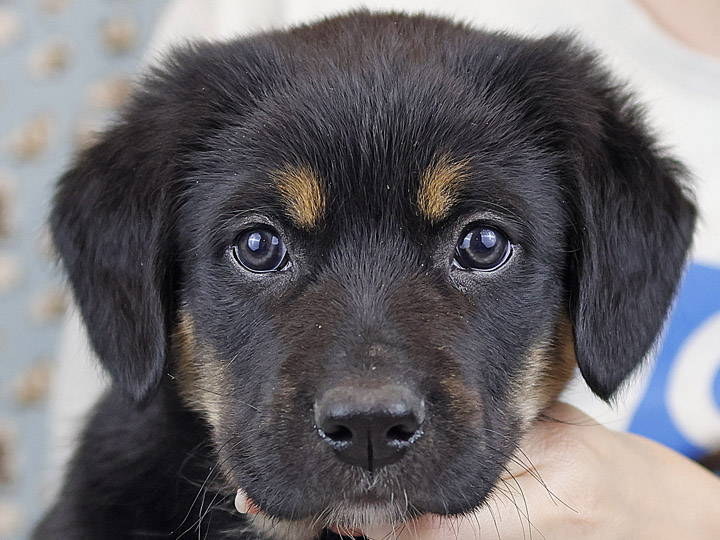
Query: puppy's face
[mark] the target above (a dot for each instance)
(364, 313)
(370, 251)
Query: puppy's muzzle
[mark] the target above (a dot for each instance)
(370, 426)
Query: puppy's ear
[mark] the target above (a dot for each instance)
(631, 233)
(111, 226)
(113, 217)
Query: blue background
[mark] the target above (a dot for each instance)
(698, 300)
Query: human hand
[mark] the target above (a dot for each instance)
(576, 479)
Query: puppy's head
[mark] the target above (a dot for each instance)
(370, 251)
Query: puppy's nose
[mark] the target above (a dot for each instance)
(370, 427)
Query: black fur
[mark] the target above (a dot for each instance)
(558, 156)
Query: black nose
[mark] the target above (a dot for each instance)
(370, 426)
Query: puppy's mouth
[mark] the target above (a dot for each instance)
(346, 519)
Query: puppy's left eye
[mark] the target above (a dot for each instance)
(260, 250)
(483, 248)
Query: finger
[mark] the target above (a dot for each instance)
(517, 511)
(478, 525)
(521, 498)
(425, 528)
(547, 437)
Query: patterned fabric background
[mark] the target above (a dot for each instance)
(64, 66)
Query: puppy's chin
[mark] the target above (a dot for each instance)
(279, 529)
(346, 518)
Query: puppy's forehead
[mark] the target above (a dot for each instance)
(407, 144)
(346, 156)
(303, 191)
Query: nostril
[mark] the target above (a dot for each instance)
(401, 433)
(369, 427)
(339, 433)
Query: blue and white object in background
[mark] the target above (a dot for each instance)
(689, 358)
(65, 65)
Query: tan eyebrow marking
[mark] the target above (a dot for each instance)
(302, 193)
(440, 185)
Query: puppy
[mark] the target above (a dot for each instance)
(343, 267)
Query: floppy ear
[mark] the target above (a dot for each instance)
(110, 224)
(633, 228)
(112, 219)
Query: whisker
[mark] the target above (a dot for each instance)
(202, 490)
(534, 473)
(218, 394)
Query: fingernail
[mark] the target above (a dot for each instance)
(242, 504)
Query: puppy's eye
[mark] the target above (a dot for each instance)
(260, 250)
(482, 248)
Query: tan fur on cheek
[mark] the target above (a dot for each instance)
(199, 375)
(548, 368)
(462, 402)
(440, 185)
(302, 193)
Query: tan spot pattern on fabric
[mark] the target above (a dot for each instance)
(8, 452)
(49, 305)
(31, 139)
(70, 66)
(53, 7)
(49, 59)
(11, 271)
(8, 205)
(120, 34)
(10, 27)
(32, 385)
(109, 93)
(11, 518)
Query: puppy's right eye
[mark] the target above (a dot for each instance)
(260, 250)
(482, 248)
